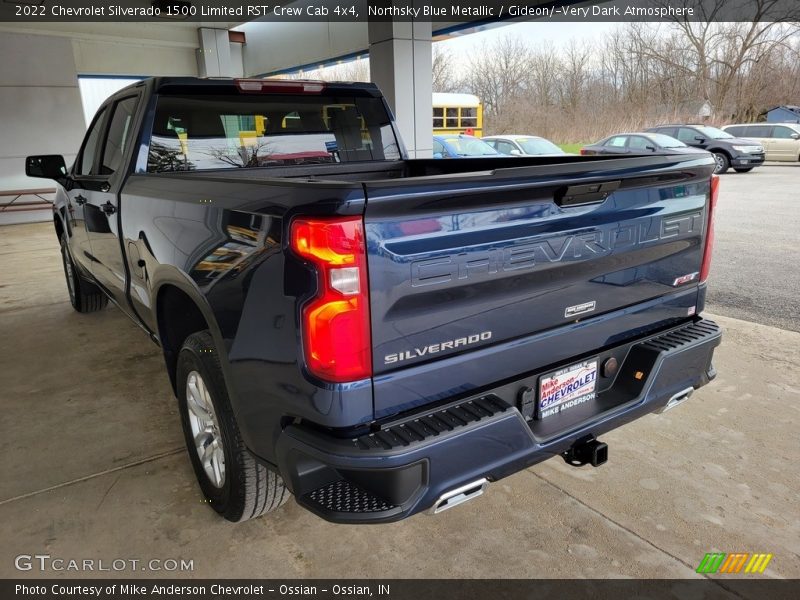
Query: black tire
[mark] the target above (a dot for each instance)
(84, 296)
(743, 170)
(723, 162)
(249, 489)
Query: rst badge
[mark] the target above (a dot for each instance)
(580, 309)
(566, 388)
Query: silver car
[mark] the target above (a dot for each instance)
(524, 145)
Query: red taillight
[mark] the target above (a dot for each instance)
(279, 86)
(709, 246)
(335, 323)
(584, 152)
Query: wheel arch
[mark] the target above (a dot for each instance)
(181, 311)
(720, 150)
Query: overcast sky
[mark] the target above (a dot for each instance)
(557, 32)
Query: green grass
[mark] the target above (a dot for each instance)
(573, 148)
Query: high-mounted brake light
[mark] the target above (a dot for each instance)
(709, 245)
(279, 86)
(335, 323)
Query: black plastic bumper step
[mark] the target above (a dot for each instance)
(346, 497)
(432, 424)
(677, 338)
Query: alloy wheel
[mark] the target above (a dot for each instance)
(205, 429)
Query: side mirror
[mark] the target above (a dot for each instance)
(699, 138)
(46, 166)
(515, 152)
(795, 136)
(651, 148)
(438, 155)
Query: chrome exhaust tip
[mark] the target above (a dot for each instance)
(459, 495)
(677, 399)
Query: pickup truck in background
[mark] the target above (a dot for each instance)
(375, 335)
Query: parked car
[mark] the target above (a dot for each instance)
(523, 145)
(781, 141)
(741, 154)
(639, 143)
(461, 146)
(376, 335)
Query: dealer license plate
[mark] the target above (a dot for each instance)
(566, 388)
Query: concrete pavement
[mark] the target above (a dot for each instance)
(754, 273)
(94, 468)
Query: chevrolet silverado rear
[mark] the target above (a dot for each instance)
(377, 335)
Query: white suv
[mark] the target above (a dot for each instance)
(781, 141)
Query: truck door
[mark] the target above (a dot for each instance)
(83, 179)
(102, 204)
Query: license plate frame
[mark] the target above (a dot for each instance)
(560, 390)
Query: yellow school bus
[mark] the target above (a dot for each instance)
(457, 113)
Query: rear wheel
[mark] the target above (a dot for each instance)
(236, 486)
(722, 161)
(743, 170)
(83, 294)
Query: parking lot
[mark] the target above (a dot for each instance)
(755, 270)
(94, 464)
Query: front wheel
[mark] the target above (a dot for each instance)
(743, 170)
(236, 486)
(722, 161)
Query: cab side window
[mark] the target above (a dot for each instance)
(85, 162)
(119, 133)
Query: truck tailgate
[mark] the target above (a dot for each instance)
(464, 261)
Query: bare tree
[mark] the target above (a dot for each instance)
(354, 70)
(498, 72)
(442, 73)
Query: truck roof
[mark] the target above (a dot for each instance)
(225, 84)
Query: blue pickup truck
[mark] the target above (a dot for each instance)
(374, 335)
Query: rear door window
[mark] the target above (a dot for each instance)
(617, 141)
(228, 132)
(758, 131)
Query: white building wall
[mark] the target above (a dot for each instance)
(41, 111)
(124, 57)
(40, 105)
